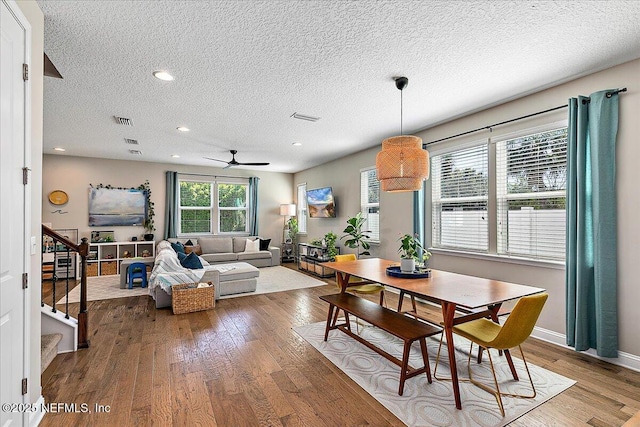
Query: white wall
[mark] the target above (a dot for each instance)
(33, 13)
(74, 174)
(396, 209)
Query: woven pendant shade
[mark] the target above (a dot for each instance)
(402, 164)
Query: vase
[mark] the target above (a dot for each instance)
(407, 265)
(148, 237)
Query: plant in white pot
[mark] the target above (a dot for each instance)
(409, 250)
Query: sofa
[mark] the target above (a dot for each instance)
(230, 272)
(226, 249)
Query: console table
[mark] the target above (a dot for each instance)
(312, 257)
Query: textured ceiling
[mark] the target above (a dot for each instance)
(242, 68)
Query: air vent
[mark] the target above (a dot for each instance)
(305, 117)
(136, 152)
(123, 121)
(131, 141)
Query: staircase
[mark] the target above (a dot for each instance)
(48, 349)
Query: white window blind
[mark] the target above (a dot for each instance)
(370, 202)
(302, 208)
(459, 199)
(531, 177)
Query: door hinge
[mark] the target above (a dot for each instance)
(25, 175)
(25, 280)
(24, 386)
(25, 72)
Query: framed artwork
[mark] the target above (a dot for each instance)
(114, 206)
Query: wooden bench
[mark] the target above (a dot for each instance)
(396, 324)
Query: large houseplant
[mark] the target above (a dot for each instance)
(356, 237)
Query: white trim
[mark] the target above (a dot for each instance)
(459, 146)
(500, 258)
(496, 136)
(626, 360)
(36, 417)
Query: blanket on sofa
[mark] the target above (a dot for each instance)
(168, 271)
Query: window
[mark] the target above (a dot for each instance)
(459, 199)
(528, 211)
(531, 182)
(370, 202)
(212, 207)
(302, 208)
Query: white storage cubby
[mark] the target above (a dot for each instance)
(105, 258)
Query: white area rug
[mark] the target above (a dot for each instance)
(271, 279)
(424, 404)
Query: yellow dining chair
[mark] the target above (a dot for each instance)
(358, 285)
(488, 334)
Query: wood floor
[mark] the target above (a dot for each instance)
(241, 364)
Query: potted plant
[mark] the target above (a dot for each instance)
(409, 250)
(330, 243)
(292, 232)
(356, 237)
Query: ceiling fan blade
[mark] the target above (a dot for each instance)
(223, 161)
(254, 164)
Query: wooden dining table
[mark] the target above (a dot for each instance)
(475, 296)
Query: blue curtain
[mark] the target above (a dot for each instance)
(253, 205)
(171, 206)
(591, 262)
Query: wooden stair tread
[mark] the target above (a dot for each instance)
(48, 349)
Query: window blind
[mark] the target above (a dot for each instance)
(459, 199)
(370, 202)
(531, 178)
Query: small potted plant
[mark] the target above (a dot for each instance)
(409, 251)
(330, 243)
(356, 237)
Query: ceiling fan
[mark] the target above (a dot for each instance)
(234, 162)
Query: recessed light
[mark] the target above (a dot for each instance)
(297, 144)
(163, 75)
(183, 129)
(175, 156)
(59, 149)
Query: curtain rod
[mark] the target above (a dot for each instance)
(494, 125)
(216, 176)
(608, 95)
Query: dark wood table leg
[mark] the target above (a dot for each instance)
(448, 313)
(326, 331)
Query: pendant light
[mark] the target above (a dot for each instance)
(402, 164)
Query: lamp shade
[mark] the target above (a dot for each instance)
(288, 209)
(402, 164)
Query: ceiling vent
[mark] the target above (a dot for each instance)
(305, 117)
(123, 121)
(131, 141)
(136, 152)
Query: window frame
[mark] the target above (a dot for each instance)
(214, 208)
(365, 204)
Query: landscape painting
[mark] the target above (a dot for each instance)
(113, 207)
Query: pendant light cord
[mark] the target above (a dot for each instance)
(400, 112)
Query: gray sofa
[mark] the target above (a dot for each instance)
(227, 249)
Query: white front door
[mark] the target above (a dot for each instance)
(12, 211)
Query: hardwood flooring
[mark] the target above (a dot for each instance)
(241, 364)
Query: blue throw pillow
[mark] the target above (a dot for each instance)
(181, 256)
(191, 261)
(264, 244)
(178, 247)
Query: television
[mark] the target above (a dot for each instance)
(320, 203)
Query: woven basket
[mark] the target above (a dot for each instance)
(108, 268)
(186, 299)
(92, 269)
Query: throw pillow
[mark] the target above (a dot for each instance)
(264, 244)
(181, 256)
(191, 261)
(252, 245)
(178, 247)
(189, 243)
(194, 248)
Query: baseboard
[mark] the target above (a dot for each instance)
(36, 417)
(626, 360)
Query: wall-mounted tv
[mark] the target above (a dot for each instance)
(320, 203)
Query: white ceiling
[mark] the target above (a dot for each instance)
(242, 68)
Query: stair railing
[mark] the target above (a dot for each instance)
(62, 245)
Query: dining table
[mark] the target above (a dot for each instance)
(462, 297)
